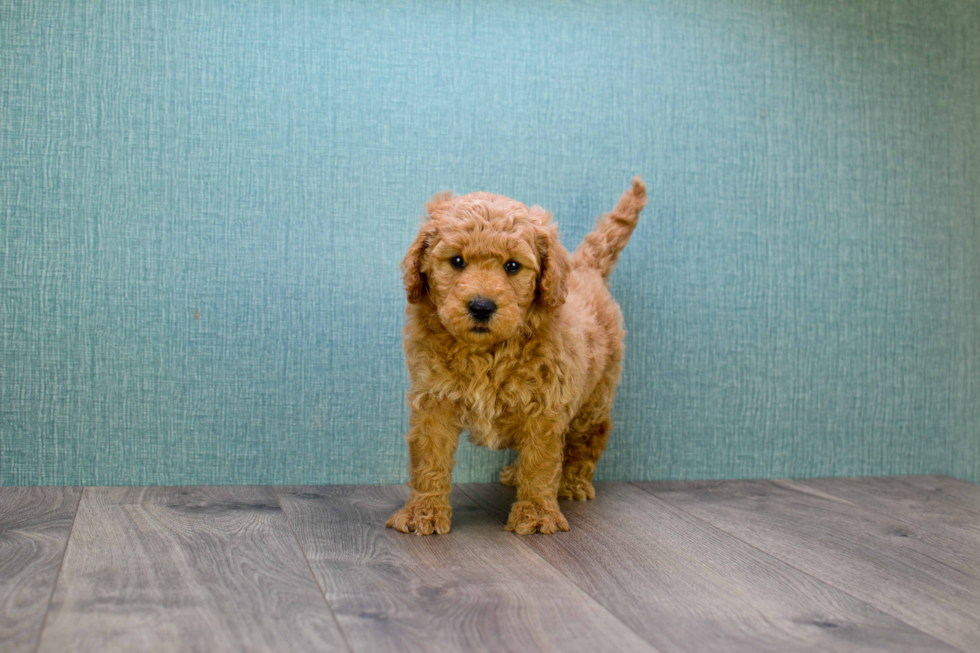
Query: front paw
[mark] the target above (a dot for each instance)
(422, 516)
(527, 517)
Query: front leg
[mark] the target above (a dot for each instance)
(538, 473)
(433, 435)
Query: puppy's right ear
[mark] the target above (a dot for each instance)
(416, 285)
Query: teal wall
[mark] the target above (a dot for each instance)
(203, 206)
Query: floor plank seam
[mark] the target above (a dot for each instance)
(54, 585)
(788, 564)
(793, 486)
(275, 492)
(560, 572)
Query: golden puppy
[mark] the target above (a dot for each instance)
(512, 339)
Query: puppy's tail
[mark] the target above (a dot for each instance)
(600, 249)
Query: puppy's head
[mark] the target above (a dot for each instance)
(487, 264)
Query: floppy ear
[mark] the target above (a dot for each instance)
(555, 266)
(416, 285)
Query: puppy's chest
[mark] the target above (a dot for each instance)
(495, 403)
(498, 428)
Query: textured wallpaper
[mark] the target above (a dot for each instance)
(203, 206)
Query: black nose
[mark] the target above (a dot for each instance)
(481, 309)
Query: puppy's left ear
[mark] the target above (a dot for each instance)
(555, 265)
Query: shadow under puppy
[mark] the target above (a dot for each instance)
(512, 339)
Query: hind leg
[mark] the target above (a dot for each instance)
(508, 474)
(583, 447)
(587, 435)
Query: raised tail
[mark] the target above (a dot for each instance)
(600, 249)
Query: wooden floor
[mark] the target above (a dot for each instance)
(875, 564)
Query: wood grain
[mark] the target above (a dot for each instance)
(896, 566)
(34, 527)
(186, 569)
(476, 589)
(965, 496)
(903, 498)
(685, 586)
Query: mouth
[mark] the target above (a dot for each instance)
(479, 329)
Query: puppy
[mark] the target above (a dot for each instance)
(512, 339)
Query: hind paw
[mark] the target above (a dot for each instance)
(576, 489)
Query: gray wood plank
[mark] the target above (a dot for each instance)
(964, 495)
(685, 586)
(34, 527)
(475, 589)
(186, 569)
(903, 498)
(892, 564)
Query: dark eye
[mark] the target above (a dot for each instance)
(512, 267)
(457, 262)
